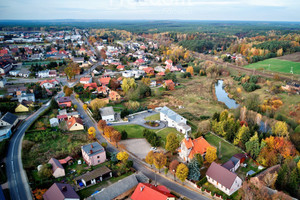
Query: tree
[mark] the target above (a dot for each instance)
(102, 124)
(173, 167)
(243, 135)
(194, 170)
(159, 160)
(38, 193)
(253, 146)
(122, 156)
(124, 135)
(146, 81)
(211, 154)
(116, 137)
(280, 129)
(224, 115)
(46, 171)
(172, 142)
(149, 158)
(108, 130)
(270, 179)
(84, 106)
(182, 172)
(68, 92)
(199, 159)
(92, 132)
(96, 104)
(69, 72)
(127, 84)
(190, 69)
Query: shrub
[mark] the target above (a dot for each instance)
(202, 181)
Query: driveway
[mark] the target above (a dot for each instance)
(139, 119)
(139, 147)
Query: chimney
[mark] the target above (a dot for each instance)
(142, 188)
(64, 188)
(92, 146)
(91, 151)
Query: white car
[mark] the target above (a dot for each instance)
(153, 148)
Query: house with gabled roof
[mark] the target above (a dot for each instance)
(104, 80)
(75, 124)
(223, 179)
(57, 169)
(9, 119)
(189, 147)
(114, 96)
(147, 191)
(60, 191)
(174, 120)
(85, 80)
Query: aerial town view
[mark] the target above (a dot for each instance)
(149, 100)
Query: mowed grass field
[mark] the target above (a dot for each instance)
(276, 65)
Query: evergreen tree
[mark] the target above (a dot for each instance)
(194, 170)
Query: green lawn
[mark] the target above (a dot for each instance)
(133, 131)
(276, 65)
(153, 117)
(212, 188)
(163, 133)
(97, 187)
(227, 150)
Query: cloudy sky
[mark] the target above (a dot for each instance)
(256, 10)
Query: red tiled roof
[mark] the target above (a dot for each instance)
(121, 67)
(65, 160)
(146, 191)
(168, 82)
(90, 85)
(72, 121)
(198, 145)
(104, 80)
(85, 79)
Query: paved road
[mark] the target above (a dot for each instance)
(138, 165)
(138, 119)
(17, 179)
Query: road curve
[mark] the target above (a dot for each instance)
(17, 179)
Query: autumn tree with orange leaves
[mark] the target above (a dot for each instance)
(102, 124)
(108, 131)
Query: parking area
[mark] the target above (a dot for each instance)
(138, 147)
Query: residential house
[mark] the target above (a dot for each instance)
(5, 132)
(79, 60)
(73, 114)
(65, 102)
(174, 120)
(103, 90)
(159, 69)
(90, 86)
(114, 96)
(46, 73)
(107, 114)
(22, 107)
(234, 162)
(5, 67)
(9, 119)
(169, 62)
(153, 84)
(147, 191)
(189, 147)
(121, 189)
(160, 74)
(223, 179)
(93, 154)
(60, 191)
(57, 169)
(86, 80)
(149, 71)
(93, 177)
(75, 124)
(54, 122)
(26, 96)
(48, 84)
(169, 84)
(104, 80)
(121, 67)
(14, 72)
(68, 160)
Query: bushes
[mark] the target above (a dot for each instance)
(202, 181)
(249, 87)
(151, 137)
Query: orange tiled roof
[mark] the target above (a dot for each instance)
(72, 121)
(104, 80)
(198, 145)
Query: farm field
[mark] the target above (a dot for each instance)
(276, 65)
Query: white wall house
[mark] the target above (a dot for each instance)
(223, 179)
(26, 97)
(174, 120)
(107, 114)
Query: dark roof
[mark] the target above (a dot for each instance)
(228, 165)
(234, 160)
(60, 191)
(9, 118)
(94, 174)
(55, 164)
(239, 156)
(64, 99)
(221, 175)
(116, 189)
(95, 147)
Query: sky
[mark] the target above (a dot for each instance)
(239, 10)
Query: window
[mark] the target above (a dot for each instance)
(98, 161)
(98, 156)
(75, 124)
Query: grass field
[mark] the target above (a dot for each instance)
(276, 65)
(153, 117)
(133, 131)
(163, 133)
(227, 150)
